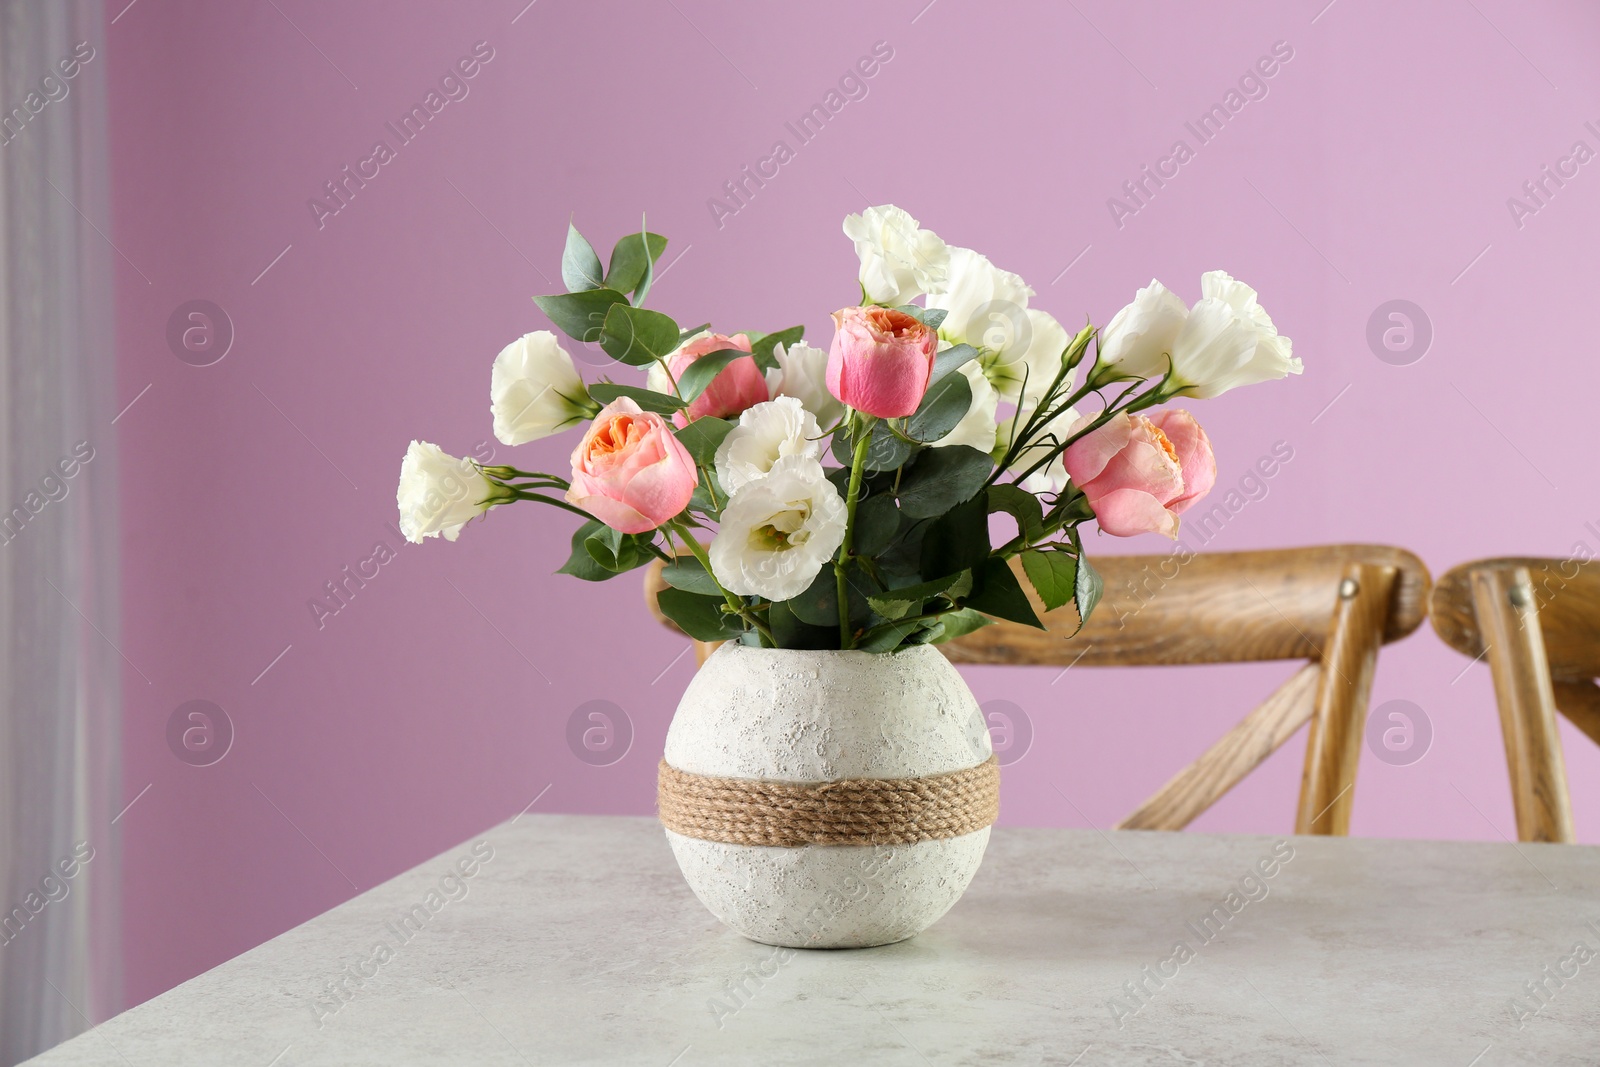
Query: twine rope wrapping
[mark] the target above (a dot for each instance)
(851, 811)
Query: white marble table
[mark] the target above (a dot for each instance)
(578, 943)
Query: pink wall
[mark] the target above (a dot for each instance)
(1377, 167)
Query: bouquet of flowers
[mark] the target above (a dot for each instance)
(842, 498)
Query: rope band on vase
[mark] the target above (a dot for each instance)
(851, 811)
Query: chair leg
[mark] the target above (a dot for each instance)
(1508, 619)
(1333, 747)
(703, 650)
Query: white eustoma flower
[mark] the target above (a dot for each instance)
(802, 373)
(1022, 372)
(977, 427)
(779, 531)
(899, 259)
(439, 493)
(986, 306)
(1051, 478)
(765, 434)
(1138, 340)
(535, 391)
(1228, 340)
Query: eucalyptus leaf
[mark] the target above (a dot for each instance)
(701, 617)
(877, 521)
(941, 478)
(580, 267)
(581, 316)
(932, 318)
(1000, 594)
(702, 436)
(636, 336)
(648, 399)
(688, 574)
(948, 360)
(698, 376)
(1054, 575)
(958, 540)
(887, 451)
(761, 346)
(790, 631)
(581, 564)
(629, 258)
(943, 407)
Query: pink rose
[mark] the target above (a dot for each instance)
(880, 360)
(1136, 477)
(737, 386)
(629, 471)
(1193, 448)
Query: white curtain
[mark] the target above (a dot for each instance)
(59, 668)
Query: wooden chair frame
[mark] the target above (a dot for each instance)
(1537, 622)
(1332, 605)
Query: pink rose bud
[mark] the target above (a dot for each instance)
(737, 386)
(1193, 447)
(880, 360)
(1134, 474)
(629, 471)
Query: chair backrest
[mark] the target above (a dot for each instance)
(1333, 605)
(1537, 622)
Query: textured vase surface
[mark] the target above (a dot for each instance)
(818, 716)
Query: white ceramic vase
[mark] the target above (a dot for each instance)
(817, 716)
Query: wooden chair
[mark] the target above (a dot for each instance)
(1333, 605)
(1537, 621)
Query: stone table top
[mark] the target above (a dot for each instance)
(574, 940)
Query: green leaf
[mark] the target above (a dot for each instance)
(941, 478)
(932, 318)
(684, 335)
(877, 521)
(958, 540)
(581, 316)
(948, 360)
(887, 638)
(945, 404)
(1087, 589)
(1020, 505)
(649, 399)
(790, 631)
(1054, 576)
(698, 376)
(616, 551)
(581, 564)
(701, 617)
(819, 604)
(897, 603)
(959, 623)
(580, 267)
(1000, 594)
(629, 258)
(886, 453)
(636, 336)
(702, 436)
(687, 573)
(761, 345)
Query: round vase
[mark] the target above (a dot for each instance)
(800, 716)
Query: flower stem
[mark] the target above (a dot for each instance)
(841, 565)
(734, 603)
